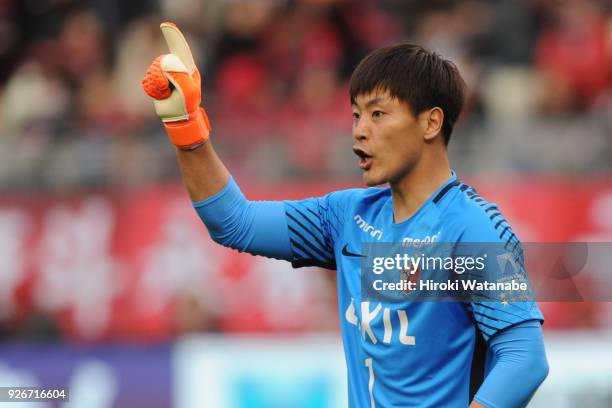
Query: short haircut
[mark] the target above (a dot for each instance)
(414, 75)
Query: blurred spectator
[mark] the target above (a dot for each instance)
(275, 75)
(574, 53)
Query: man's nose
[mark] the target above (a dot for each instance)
(361, 130)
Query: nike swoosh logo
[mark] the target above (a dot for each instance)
(346, 252)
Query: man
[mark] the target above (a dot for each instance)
(405, 102)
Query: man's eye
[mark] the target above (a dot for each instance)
(355, 115)
(377, 114)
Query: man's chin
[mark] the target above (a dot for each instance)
(371, 180)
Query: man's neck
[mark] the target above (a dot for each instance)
(411, 191)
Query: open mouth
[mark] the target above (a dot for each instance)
(365, 159)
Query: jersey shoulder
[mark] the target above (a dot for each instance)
(330, 212)
(355, 198)
(475, 219)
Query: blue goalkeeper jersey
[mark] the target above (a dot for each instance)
(404, 354)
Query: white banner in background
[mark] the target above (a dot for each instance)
(259, 371)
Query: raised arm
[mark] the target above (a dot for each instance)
(296, 231)
(174, 83)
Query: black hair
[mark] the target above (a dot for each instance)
(414, 75)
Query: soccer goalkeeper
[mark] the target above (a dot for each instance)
(405, 101)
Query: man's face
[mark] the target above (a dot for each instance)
(388, 137)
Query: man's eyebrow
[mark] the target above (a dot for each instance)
(372, 102)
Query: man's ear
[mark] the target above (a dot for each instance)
(431, 122)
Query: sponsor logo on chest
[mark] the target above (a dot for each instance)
(367, 228)
(418, 242)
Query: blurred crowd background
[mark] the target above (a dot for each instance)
(80, 141)
(275, 84)
(99, 245)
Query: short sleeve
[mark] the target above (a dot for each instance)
(496, 310)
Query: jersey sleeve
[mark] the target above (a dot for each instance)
(256, 227)
(314, 226)
(516, 367)
(497, 310)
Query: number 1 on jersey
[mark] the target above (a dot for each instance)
(368, 364)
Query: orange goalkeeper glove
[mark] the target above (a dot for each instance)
(173, 81)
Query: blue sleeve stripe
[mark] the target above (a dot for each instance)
(298, 250)
(515, 244)
(490, 317)
(309, 259)
(309, 254)
(493, 207)
(313, 249)
(494, 215)
(309, 232)
(486, 332)
(500, 310)
(499, 223)
(329, 211)
(509, 240)
(307, 219)
(295, 210)
(328, 243)
(512, 239)
(493, 328)
(504, 231)
(312, 212)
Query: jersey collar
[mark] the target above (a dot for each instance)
(433, 199)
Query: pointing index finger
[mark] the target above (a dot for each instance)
(178, 45)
